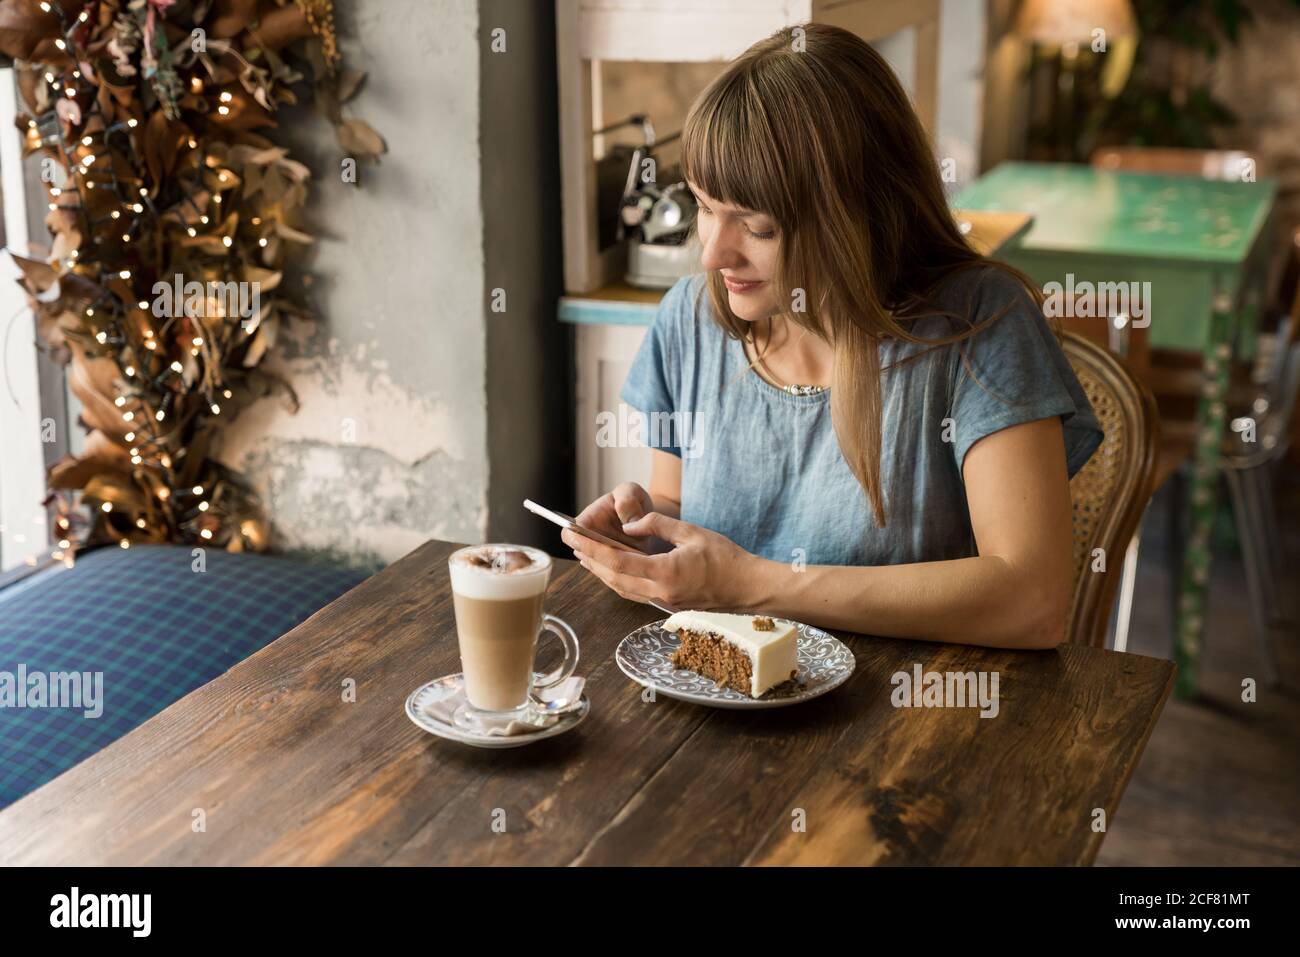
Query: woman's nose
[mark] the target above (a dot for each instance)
(718, 250)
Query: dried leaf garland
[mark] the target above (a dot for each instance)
(172, 218)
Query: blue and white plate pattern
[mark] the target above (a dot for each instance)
(824, 661)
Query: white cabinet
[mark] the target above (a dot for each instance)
(604, 354)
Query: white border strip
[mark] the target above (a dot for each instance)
(22, 462)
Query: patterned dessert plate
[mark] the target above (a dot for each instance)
(825, 663)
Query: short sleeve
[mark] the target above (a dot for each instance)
(1015, 371)
(653, 385)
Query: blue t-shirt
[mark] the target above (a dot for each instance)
(763, 467)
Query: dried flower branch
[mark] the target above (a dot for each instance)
(172, 217)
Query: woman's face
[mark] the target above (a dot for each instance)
(741, 244)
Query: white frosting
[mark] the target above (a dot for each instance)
(472, 581)
(773, 654)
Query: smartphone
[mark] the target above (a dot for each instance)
(567, 521)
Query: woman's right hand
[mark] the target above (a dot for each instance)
(626, 503)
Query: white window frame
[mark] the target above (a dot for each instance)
(22, 460)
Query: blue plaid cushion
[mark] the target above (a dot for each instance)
(155, 628)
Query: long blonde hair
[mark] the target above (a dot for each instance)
(813, 129)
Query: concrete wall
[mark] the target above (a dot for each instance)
(531, 376)
(390, 447)
(426, 413)
(961, 88)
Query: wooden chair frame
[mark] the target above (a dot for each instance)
(1094, 593)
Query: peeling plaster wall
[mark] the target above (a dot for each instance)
(389, 447)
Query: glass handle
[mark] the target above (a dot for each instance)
(567, 638)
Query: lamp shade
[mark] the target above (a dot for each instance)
(1056, 22)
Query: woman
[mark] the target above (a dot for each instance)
(875, 426)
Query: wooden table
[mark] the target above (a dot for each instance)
(989, 233)
(283, 771)
(1204, 248)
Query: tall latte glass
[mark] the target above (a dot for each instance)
(498, 592)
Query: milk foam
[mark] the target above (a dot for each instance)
(473, 581)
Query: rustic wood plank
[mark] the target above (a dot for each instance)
(883, 785)
(545, 799)
(285, 772)
(257, 733)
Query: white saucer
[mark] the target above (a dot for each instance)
(453, 686)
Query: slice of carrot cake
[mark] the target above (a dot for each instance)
(748, 653)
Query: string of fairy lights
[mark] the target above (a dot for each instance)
(122, 250)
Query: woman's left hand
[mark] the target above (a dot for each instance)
(703, 571)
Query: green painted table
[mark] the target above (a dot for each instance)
(1203, 246)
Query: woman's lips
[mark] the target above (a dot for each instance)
(737, 285)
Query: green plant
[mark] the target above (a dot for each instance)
(1168, 100)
